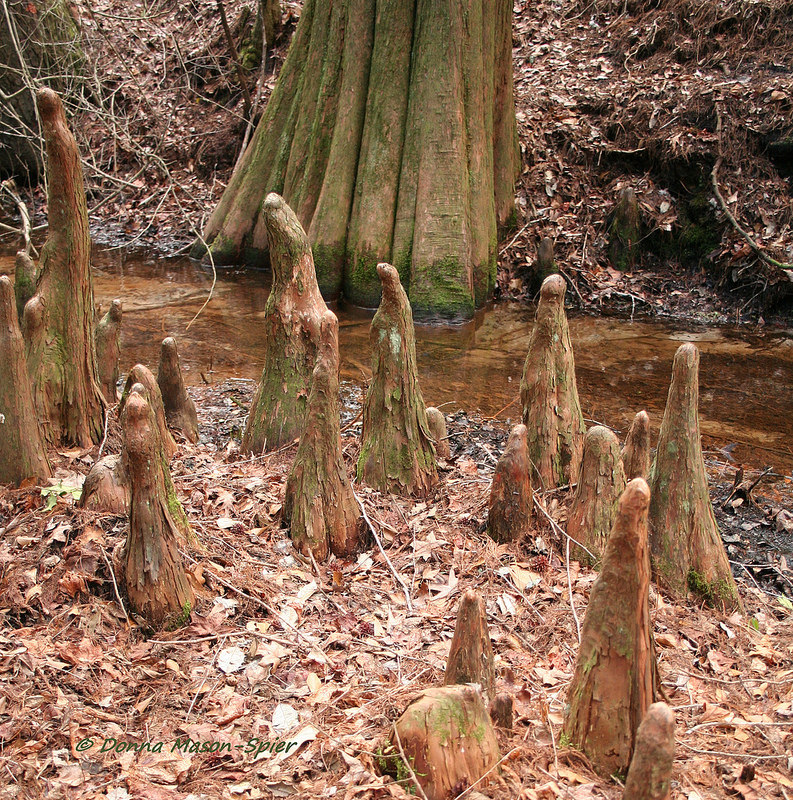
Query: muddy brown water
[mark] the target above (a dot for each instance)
(622, 366)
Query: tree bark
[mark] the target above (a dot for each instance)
(108, 351)
(601, 481)
(292, 325)
(58, 322)
(143, 375)
(157, 586)
(636, 453)
(392, 133)
(615, 674)
(651, 766)
(436, 423)
(448, 740)
(106, 487)
(625, 231)
(320, 507)
(397, 454)
(511, 497)
(179, 408)
(688, 553)
(22, 452)
(471, 651)
(548, 393)
(24, 281)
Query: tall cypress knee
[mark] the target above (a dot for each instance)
(688, 553)
(511, 497)
(636, 453)
(616, 673)
(58, 322)
(397, 454)
(156, 584)
(108, 349)
(548, 393)
(320, 507)
(179, 408)
(600, 483)
(471, 652)
(625, 231)
(22, 452)
(291, 329)
(650, 773)
(143, 375)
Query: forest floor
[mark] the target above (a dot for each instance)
(327, 656)
(608, 95)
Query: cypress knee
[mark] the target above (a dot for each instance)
(548, 393)
(545, 264)
(600, 483)
(157, 586)
(636, 453)
(650, 772)
(320, 506)
(397, 454)
(616, 674)
(108, 350)
(22, 452)
(511, 497)
(179, 408)
(687, 550)
(471, 651)
(436, 422)
(143, 375)
(58, 322)
(106, 486)
(24, 281)
(625, 231)
(291, 329)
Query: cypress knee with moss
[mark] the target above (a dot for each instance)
(625, 231)
(156, 583)
(397, 454)
(471, 652)
(615, 674)
(548, 393)
(600, 484)
(687, 550)
(292, 318)
(22, 451)
(58, 322)
(179, 408)
(145, 377)
(320, 507)
(108, 350)
(636, 453)
(511, 497)
(24, 281)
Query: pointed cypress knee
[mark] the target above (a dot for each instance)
(687, 550)
(600, 484)
(22, 451)
(615, 674)
(156, 583)
(636, 453)
(436, 422)
(397, 454)
(291, 333)
(144, 376)
(545, 264)
(650, 773)
(511, 497)
(471, 651)
(179, 408)
(625, 231)
(24, 281)
(548, 393)
(108, 350)
(320, 507)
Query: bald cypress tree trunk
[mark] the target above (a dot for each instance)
(392, 134)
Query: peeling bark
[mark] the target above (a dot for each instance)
(636, 453)
(143, 375)
(548, 393)
(511, 497)
(108, 350)
(180, 410)
(436, 422)
(600, 484)
(22, 451)
(616, 673)
(292, 325)
(471, 651)
(320, 507)
(687, 550)
(650, 772)
(397, 454)
(58, 322)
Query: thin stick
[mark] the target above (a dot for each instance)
(495, 766)
(396, 575)
(115, 585)
(570, 588)
(204, 679)
(104, 435)
(407, 764)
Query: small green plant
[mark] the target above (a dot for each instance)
(389, 762)
(52, 493)
(180, 620)
(564, 740)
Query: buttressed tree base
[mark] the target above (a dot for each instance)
(548, 393)
(687, 550)
(397, 452)
(511, 497)
(291, 330)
